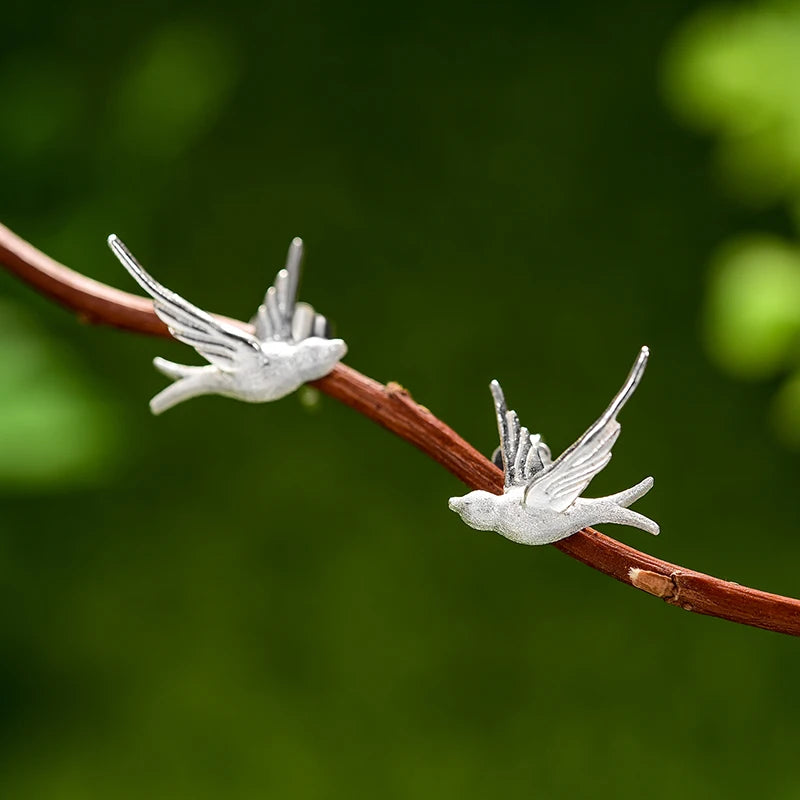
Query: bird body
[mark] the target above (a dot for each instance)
(289, 348)
(541, 502)
(530, 523)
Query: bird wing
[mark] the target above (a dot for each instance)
(223, 345)
(280, 317)
(560, 484)
(522, 454)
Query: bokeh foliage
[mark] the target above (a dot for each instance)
(734, 72)
(55, 430)
(239, 601)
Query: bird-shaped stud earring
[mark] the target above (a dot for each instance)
(541, 501)
(290, 346)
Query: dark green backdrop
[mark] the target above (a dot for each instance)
(270, 601)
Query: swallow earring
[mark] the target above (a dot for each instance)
(291, 344)
(541, 500)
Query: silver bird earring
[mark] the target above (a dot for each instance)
(290, 346)
(541, 501)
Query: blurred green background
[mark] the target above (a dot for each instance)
(274, 601)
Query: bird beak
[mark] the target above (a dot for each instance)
(454, 504)
(340, 348)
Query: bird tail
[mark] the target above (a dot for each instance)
(630, 496)
(624, 516)
(181, 390)
(617, 510)
(173, 370)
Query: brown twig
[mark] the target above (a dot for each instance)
(392, 407)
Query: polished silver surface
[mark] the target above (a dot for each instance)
(541, 501)
(289, 347)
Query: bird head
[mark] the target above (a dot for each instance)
(317, 356)
(478, 509)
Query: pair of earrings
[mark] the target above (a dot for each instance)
(541, 501)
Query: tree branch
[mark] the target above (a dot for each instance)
(392, 407)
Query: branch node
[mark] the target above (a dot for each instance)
(394, 389)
